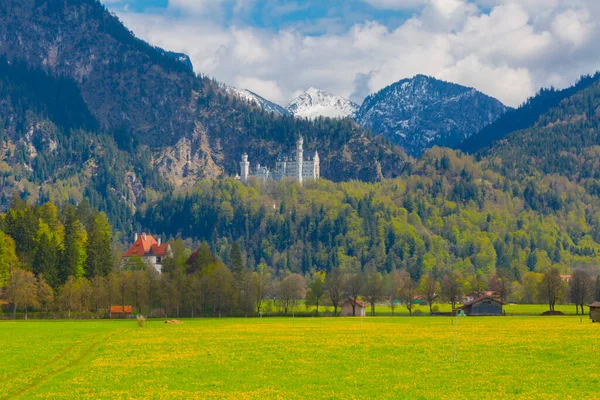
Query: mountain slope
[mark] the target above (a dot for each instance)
(525, 116)
(49, 149)
(132, 88)
(316, 103)
(254, 98)
(564, 141)
(149, 103)
(423, 112)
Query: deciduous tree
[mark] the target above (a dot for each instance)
(334, 282)
(373, 287)
(429, 289)
(408, 292)
(261, 281)
(316, 290)
(551, 287)
(22, 290)
(581, 286)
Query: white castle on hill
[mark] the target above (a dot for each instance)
(292, 165)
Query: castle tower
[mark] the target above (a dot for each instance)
(300, 157)
(317, 166)
(245, 168)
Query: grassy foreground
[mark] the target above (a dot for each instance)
(496, 357)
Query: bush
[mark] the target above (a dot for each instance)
(435, 308)
(417, 312)
(141, 321)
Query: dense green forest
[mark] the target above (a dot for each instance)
(55, 243)
(449, 214)
(525, 116)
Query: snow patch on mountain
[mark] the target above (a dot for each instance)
(260, 101)
(316, 103)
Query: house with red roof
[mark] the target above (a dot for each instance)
(150, 250)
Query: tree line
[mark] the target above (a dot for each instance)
(197, 284)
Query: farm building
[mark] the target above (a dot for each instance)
(117, 311)
(347, 309)
(484, 305)
(595, 311)
(475, 295)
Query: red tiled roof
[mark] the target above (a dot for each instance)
(146, 245)
(119, 309)
(484, 297)
(358, 303)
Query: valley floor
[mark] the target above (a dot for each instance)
(293, 358)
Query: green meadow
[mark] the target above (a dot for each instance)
(294, 358)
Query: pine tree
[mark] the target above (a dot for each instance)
(46, 260)
(99, 255)
(237, 265)
(74, 253)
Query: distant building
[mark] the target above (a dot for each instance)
(595, 311)
(484, 305)
(361, 309)
(292, 165)
(566, 278)
(120, 311)
(151, 251)
(475, 295)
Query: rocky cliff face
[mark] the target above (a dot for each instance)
(130, 87)
(423, 112)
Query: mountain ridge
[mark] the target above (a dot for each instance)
(421, 112)
(314, 103)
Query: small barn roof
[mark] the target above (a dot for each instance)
(358, 303)
(595, 304)
(119, 309)
(479, 300)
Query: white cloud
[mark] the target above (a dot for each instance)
(573, 26)
(505, 48)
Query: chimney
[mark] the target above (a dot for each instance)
(144, 235)
(135, 237)
(159, 241)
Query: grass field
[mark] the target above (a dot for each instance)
(361, 358)
(510, 309)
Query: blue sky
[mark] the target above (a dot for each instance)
(280, 14)
(508, 49)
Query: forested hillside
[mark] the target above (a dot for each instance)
(450, 214)
(525, 116)
(565, 142)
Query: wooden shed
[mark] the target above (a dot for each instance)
(484, 305)
(595, 311)
(347, 309)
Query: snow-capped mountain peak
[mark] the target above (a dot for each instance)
(260, 101)
(315, 103)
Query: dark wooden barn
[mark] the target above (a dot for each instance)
(484, 305)
(595, 311)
